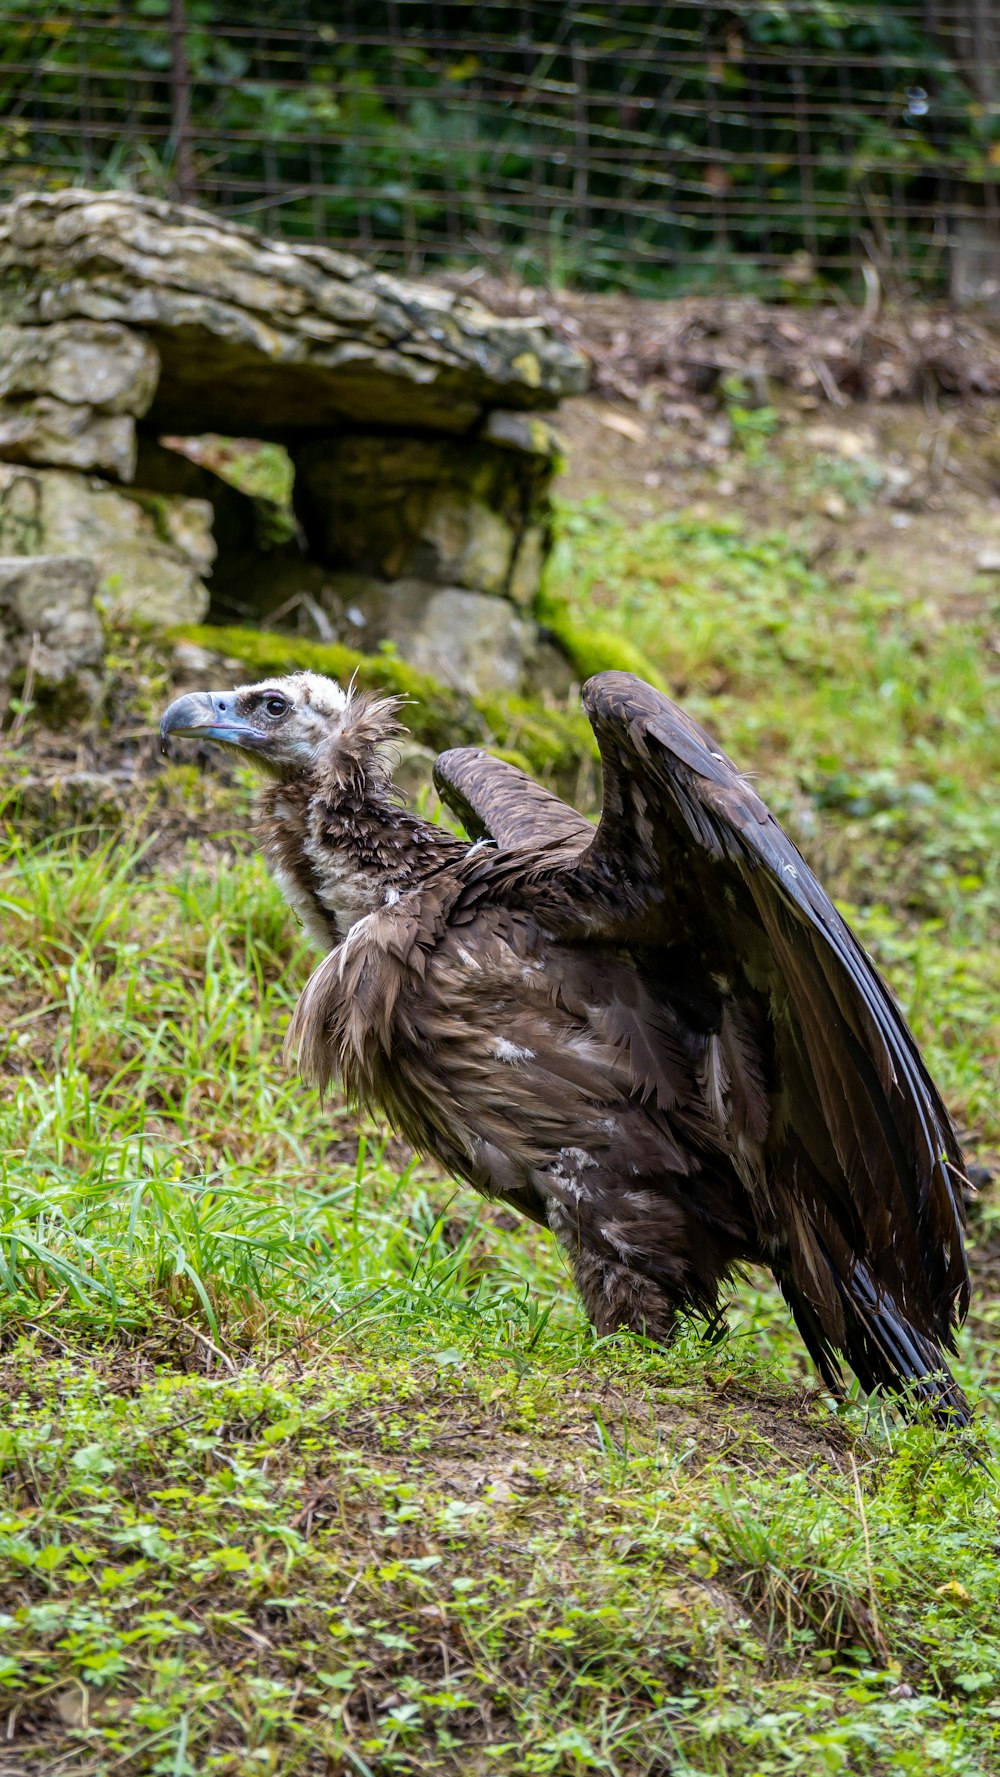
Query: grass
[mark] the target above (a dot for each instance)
(876, 701)
(309, 1464)
(452, 1561)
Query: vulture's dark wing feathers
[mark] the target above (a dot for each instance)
(854, 1185)
(495, 800)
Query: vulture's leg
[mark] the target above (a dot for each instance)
(613, 1295)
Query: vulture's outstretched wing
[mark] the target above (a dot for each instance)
(495, 800)
(854, 1184)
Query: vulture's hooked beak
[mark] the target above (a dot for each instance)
(209, 715)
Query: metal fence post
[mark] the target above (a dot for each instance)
(180, 105)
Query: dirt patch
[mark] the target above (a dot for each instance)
(830, 352)
(475, 1430)
(872, 432)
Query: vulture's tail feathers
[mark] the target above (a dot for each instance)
(882, 1347)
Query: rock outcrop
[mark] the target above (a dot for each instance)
(52, 642)
(454, 511)
(260, 337)
(411, 415)
(70, 394)
(150, 552)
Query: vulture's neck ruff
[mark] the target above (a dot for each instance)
(334, 832)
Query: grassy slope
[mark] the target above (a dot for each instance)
(309, 1466)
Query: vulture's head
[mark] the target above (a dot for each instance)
(301, 726)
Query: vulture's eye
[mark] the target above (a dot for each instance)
(276, 706)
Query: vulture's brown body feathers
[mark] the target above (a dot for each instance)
(656, 1037)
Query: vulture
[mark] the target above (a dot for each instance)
(655, 1037)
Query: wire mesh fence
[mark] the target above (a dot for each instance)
(640, 146)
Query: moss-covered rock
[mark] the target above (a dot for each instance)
(409, 414)
(260, 338)
(450, 511)
(40, 429)
(50, 635)
(82, 363)
(149, 553)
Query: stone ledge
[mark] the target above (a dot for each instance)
(260, 337)
(84, 363)
(49, 433)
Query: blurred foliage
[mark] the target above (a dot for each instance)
(620, 146)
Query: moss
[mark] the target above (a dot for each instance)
(590, 647)
(157, 506)
(551, 743)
